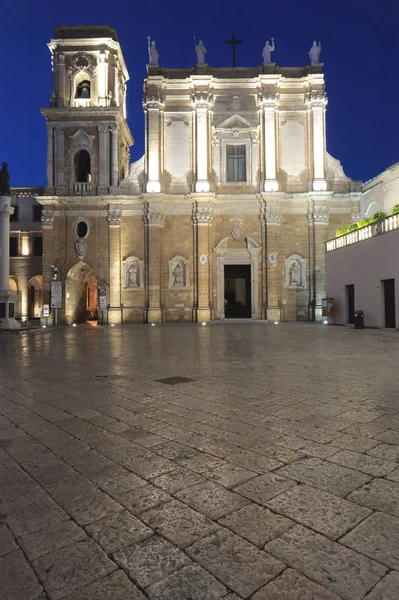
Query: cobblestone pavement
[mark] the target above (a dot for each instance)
(272, 475)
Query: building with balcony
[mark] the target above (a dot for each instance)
(26, 250)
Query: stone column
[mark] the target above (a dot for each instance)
(7, 298)
(153, 221)
(103, 158)
(103, 79)
(268, 104)
(272, 218)
(61, 91)
(114, 157)
(60, 160)
(114, 224)
(317, 105)
(202, 216)
(318, 216)
(50, 156)
(152, 108)
(202, 103)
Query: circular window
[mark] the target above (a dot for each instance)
(82, 229)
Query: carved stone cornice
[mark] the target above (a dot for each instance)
(202, 214)
(114, 217)
(47, 218)
(269, 100)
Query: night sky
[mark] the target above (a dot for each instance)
(360, 51)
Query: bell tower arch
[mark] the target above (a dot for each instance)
(88, 136)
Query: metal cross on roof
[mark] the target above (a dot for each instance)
(234, 42)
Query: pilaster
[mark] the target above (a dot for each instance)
(318, 217)
(114, 224)
(316, 103)
(202, 105)
(271, 219)
(153, 221)
(202, 219)
(114, 158)
(7, 298)
(152, 108)
(268, 103)
(103, 158)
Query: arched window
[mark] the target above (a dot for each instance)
(83, 90)
(82, 167)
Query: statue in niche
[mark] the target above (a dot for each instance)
(153, 55)
(200, 51)
(294, 274)
(314, 53)
(133, 275)
(5, 181)
(267, 52)
(178, 274)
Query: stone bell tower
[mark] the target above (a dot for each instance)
(88, 136)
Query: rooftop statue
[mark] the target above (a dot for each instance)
(200, 51)
(153, 55)
(5, 181)
(314, 53)
(267, 52)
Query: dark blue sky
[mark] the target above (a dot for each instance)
(360, 54)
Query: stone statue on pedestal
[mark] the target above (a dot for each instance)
(314, 53)
(267, 52)
(200, 51)
(5, 181)
(153, 54)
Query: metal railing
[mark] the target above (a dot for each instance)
(364, 233)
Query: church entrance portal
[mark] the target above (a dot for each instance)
(81, 304)
(237, 291)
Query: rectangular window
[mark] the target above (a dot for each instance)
(14, 217)
(37, 246)
(236, 163)
(37, 213)
(13, 246)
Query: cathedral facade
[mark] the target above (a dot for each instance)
(225, 215)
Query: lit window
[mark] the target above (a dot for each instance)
(236, 163)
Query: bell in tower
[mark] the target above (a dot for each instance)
(83, 90)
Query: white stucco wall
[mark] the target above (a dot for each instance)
(364, 265)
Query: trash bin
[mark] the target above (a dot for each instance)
(359, 319)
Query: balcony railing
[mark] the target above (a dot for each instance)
(81, 188)
(364, 233)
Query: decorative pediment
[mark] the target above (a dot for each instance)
(235, 122)
(81, 139)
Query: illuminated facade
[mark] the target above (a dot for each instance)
(225, 215)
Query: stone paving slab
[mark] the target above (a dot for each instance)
(118, 531)
(333, 566)
(189, 583)
(386, 589)
(7, 541)
(379, 494)
(325, 475)
(50, 538)
(211, 499)
(72, 567)
(115, 586)
(325, 513)
(364, 463)
(256, 524)
(261, 489)
(235, 562)
(151, 560)
(17, 578)
(378, 538)
(291, 585)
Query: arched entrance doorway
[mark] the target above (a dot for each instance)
(81, 289)
(35, 297)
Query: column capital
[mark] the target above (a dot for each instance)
(153, 103)
(152, 216)
(114, 217)
(269, 100)
(316, 99)
(202, 100)
(47, 218)
(318, 214)
(102, 128)
(113, 129)
(270, 215)
(202, 214)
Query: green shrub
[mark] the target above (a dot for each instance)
(352, 227)
(363, 222)
(379, 215)
(340, 232)
(395, 209)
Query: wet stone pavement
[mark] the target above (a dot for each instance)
(271, 474)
